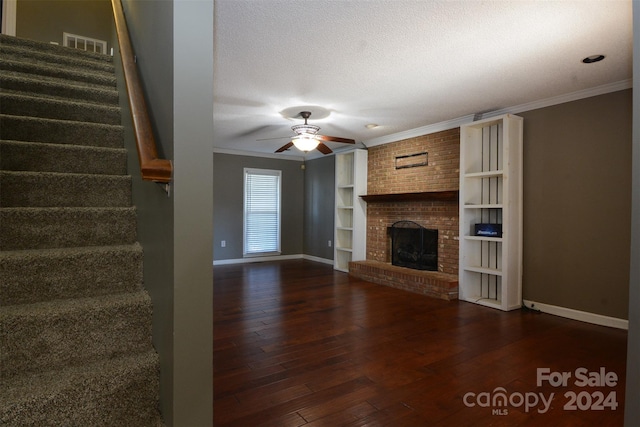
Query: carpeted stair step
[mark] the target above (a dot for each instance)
(80, 82)
(117, 392)
(73, 76)
(32, 47)
(18, 128)
(45, 228)
(102, 64)
(72, 62)
(18, 82)
(28, 276)
(39, 156)
(31, 105)
(50, 335)
(49, 189)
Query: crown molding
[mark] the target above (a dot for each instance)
(257, 154)
(534, 105)
(423, 130)
(561, 99)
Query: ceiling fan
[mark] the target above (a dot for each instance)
(307, 138)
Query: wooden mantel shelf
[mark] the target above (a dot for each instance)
(449, 195)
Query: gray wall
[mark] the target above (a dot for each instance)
(176, 231)
(154, 208)
(228, 203)
(577, 204)
(193, 210)
(46, 20)
(632, 411)
(319, 200)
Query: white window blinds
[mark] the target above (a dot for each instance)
(261, 212)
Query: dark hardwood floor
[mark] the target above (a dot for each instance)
(297, 343)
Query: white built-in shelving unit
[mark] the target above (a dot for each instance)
(490, 271)
(350, 238)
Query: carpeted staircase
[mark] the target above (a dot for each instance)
(75, 321)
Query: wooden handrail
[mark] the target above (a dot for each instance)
(152, 168)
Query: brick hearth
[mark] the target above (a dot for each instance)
(429, 283)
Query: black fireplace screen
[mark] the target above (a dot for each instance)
(414, 246)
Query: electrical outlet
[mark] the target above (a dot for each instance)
(329, 243)
(223, 243)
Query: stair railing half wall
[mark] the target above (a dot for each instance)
(152, 168)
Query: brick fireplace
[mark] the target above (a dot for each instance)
(423, 193)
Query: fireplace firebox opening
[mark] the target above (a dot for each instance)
(414, 246)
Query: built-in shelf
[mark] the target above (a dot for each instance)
(483, 206)
(424, 195)
(490, 269)
(351, 213)
(483, 238)
(486, 174)
(484, 270)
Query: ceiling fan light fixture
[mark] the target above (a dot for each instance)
(305, 142)
(305, 129)
(307, 138)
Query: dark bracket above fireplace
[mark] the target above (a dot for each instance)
(449, 195)
(412, 160)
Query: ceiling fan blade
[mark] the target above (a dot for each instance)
(324, 149)
(285, 147)
(335, 139)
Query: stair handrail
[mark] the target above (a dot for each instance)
(152, 168)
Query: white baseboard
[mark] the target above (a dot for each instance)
(582, 316)
(318, 259)
(272, 258)
(256, 259)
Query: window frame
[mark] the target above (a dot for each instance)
(245, 250)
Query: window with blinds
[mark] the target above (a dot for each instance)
(261, 212)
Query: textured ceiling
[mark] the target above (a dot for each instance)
(401, 64)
